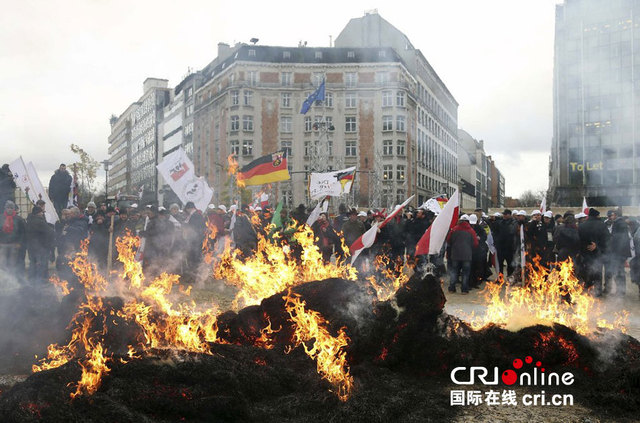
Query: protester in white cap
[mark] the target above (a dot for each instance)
(223, 208)
(581, 217)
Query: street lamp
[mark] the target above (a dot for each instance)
(106, 164)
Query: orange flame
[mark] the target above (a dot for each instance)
(392, 278)
(208, 242)
(551, 296)
(61, 286)
(328, 351)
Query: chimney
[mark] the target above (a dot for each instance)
(223, 50)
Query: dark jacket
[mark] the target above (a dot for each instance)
(620, 244)
(506, 234)
(567, 241)
(481, 250)
(40, 235)
(60, 185)
(462, 240)
(17, 235)
(593, 230)
(7, 186)
(351, 230)
(75, 232)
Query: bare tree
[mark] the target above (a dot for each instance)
(531, 198)
(86, 170)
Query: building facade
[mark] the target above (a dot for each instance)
(386, 112)
(596, 103)
(475, 169)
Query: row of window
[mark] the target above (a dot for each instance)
(387, 172)
(434, 127)
(401, 123)
(147, 106)
(426, 182)
(143, 173)
(434, 157)
(143, 125)
(141, 142)
(387, 148)
(144, 156)
(435, 107)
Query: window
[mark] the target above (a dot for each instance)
(351, 55)
(387, 172)
(316, 79)
(328, 99)
(286, 55)
(400, 172)
(286, 78)
(189, 92)
(382, 53)
(287, 197)
(248, 97)
(232, 79)
(400, 99)
(330, 147)
(253, 78)
(351, 79)
(252, 53)
(387, 99)
(350, 148)
(285, 99)
(387, 123)
(318, 55)
(247, 123)
(235, 97)
(189, 110)
(400, 148)
(387, 147)
(329, 121)
(247, 148)
(401, 124)
(350, 100)
(308, 125)
(307, 149)
(286, 146)
(285, 124)
(382, 77)
(235, 147)
(350, 124)
(235, 123)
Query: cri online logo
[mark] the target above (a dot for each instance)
(531, 375)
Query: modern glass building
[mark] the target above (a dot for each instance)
(596, 103)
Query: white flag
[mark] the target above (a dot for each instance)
(432, 205)
(543, 205)
(27, 179)
(178, 171)
(331, 184)
(315, 213)
(585, 208)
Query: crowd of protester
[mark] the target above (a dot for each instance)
(174, 239)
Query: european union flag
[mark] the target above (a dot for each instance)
(316, 95)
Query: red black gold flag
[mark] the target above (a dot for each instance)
(265, 169)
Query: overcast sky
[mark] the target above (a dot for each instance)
(66, 66)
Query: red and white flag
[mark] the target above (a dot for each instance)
(432, 240)
(264, 200)
(585, 208)
(543, 205)
(367, 239)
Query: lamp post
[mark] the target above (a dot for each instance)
(106, 164)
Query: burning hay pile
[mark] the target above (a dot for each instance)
(300, 349)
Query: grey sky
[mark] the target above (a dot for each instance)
(68, 65)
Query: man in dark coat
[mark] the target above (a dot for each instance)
(505, 237)
(7, 185)
(618, 251)
(99, 240)
(461, 240)
(12, 237)
(244, 235)
(567, 239)
(352, 229)
(194, 232)
(594, 238)
(59, 188)
(40, 237)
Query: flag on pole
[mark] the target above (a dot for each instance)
(331, 184)
(177, 171)
(543, 205)
(367, 239)
(27, 179)
(316, 95)
(585, 208)
(315, 213)
(265, 169)
(140, 192)
(433, 238)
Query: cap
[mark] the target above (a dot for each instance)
(464, 217)
(258, 209)
(222, 207)
(497, 214)
(521, 213)
(91, 204)
(580, 215)
(134, 205)
(233, 207)
(211, 206)
(548, 214)
(363, 214)
(473, 219)
(484, 215)
(535, 212)
(161, 208)
(593, 212)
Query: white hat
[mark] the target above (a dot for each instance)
(134, 205)
(211, 206)
(473, 219)
(91, 204)
(497, 214)
(363, 214)
(548, 214)
(464, 217)
(233, 207)
(535, 212)
(258, 209)
(223, 207)
(484, 215)
(521, 213)
(161, 208)
(580, 215)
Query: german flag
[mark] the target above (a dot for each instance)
(264, 170)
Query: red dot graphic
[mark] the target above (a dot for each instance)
(528, 359)
(517, 363)
(509, 377)
(538, 364)
(542, 370)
